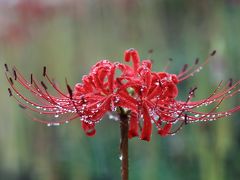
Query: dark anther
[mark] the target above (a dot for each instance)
(131, 49)
(150, 51)
(10, 92)
(21, 106)
(160, 83)
(170, 59)
(184, 67)
(43, 85)
(44, 70)
(6, 67)
(15, 74)
(196, 61)
(230, 83)
(192, 91)
(185, 119)
(31, 78)
(11, 81)
(69, 89)
(213, 53)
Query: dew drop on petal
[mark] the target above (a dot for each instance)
(157, 83)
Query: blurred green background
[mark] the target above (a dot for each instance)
(69, 36)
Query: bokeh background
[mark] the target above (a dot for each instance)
(69, 36)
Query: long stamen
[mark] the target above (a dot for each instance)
(191, 71)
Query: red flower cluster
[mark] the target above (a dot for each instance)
(148, 97)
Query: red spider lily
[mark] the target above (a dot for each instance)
(147, 97)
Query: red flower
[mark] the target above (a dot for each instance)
(148, 97)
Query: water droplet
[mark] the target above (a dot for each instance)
(196, 115)
(117, 99)
(120, 157)
(114, 117)
(113, 107)
(56, 124)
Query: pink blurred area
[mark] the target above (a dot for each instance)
(18, 17)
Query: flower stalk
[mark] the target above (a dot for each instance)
(124, 144)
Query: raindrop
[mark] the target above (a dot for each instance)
(113, 117)
(120, 157)
(56, 124)
(113, 107)
(117, 99)
(157, 83)
(155, 117)
(196, 115)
